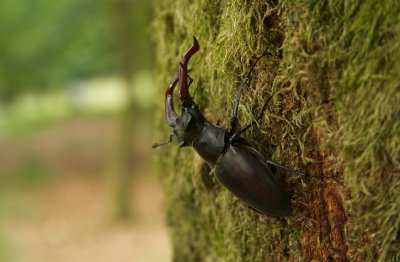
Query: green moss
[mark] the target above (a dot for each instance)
(350, 50)
(338, 77)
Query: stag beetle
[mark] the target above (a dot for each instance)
(239, 167)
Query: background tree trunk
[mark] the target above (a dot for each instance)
(121, 16)
(127, 18)
(335, 68)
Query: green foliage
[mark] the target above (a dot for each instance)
(48, 42)
(45, 43)
(337, 82)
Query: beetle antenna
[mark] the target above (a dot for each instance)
(242, 130)
(155, 145)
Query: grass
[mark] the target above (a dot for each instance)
(334, 67)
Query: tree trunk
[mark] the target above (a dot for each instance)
(335, 70)
(121, 16)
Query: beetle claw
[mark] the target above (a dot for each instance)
(170, 113)
(183, 72)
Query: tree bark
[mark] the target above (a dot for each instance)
(334, 69)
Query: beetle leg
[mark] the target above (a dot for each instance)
(245, 81)
(183, 72)
(285, 168)
(170, 114)
(242, 130)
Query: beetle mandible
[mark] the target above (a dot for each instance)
(238, 166)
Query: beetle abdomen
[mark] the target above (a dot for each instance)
(246, 174)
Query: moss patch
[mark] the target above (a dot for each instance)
(335, 68)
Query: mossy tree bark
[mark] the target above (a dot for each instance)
(335, 71)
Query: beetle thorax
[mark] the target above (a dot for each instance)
(192, 129)
(210, 144)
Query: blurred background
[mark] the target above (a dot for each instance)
(76, 110)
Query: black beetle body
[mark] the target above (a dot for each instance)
(247, 175)
(239, 167)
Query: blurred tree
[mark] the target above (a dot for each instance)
(120, 17)
(128, 19)
(45, 44)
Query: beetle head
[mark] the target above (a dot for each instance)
(189, 125)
